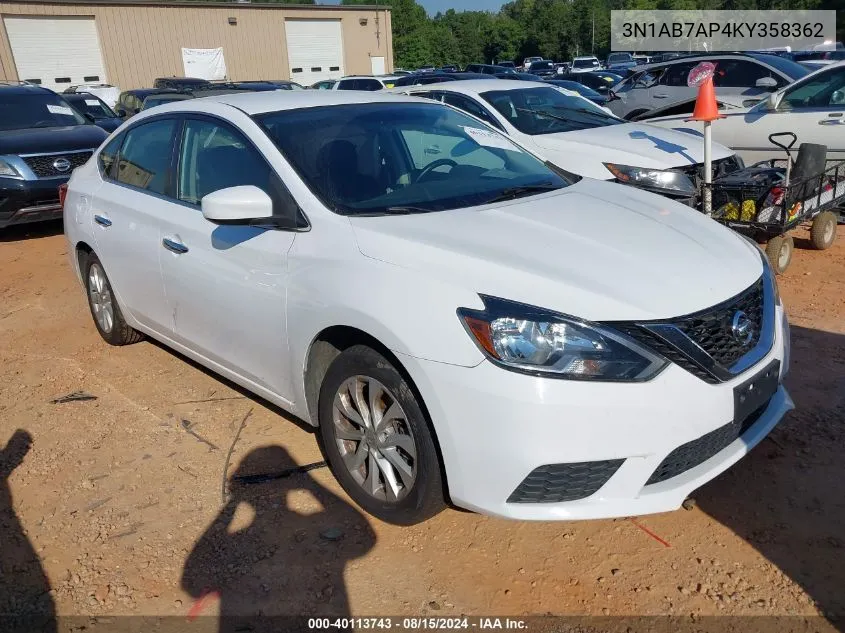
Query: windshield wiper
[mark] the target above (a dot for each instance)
(518, 192)
(397, 210)
(542, 113)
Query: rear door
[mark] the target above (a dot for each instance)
(672, 84)
(128, 212)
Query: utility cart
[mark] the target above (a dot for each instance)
(767, 200)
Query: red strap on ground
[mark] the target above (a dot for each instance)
(200, 604)
(649, 532)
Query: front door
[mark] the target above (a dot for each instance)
(226, 284)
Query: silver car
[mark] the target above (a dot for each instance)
(813, 108)
(747, 75)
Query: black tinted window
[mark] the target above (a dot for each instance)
(37, 109)
(677, 74)
(145, 156)
(738, 73)
(108, 156)
(214, 157)
(468, 105)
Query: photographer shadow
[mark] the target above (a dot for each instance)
(279, 547)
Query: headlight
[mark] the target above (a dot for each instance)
(6, 169)
(540, 342)
(652, 178)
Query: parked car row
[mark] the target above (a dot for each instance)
(274, 239)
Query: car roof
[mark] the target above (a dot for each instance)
(477, 86)
(585, 57)
(22, 88)
(261, 102)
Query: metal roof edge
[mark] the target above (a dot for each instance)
(209, 4)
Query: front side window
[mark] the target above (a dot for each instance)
(19, 111)
(380, 158)
(213, 157)
(469, 106)
(820, 91)
(547, 111)
(144, 160)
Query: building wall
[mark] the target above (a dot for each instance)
(140, 42)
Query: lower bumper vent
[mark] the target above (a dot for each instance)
(564, 482)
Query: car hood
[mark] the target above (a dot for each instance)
(639, 144)
(51, 139)
(109, 124)
(593, 250)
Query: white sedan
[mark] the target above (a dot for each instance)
(466, 324)
(813, 108)
(581, 137)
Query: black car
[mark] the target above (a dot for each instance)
(544, 68)
(488, 69)
(94, 109)
(180, 83)
(450, 68)
(581, 89)
(421, 79)
(599, 80)
(506, 65)
(131, 102)
(42, 140)
(519, 76)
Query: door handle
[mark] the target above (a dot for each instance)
(833, 119)
(173, 246)
(102, 221)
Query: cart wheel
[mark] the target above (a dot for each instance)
(823, 230)
(779, 252)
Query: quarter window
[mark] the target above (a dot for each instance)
(144, 160)
(108, 155)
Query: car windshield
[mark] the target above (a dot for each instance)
(616, 58)
(584, 63)
(20, 111)
(548, 110)
(786, 66)
(542, 66)
(581, 89)
(93, 107)
(150, 102)
(380, 158)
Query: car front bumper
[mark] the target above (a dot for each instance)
(24, 201)
(496, 427)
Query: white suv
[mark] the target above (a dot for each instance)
(460, 320)
(585, 64)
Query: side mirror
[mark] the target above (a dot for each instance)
(773, 101)
(766, 83)
(237, 205)
(121, 113)
(90, 117)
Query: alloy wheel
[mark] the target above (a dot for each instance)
(374, 438)
(99, 294)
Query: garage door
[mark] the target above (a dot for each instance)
(56, 52)
(315, 50)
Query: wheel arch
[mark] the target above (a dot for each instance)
(327, 345)
(82, 251)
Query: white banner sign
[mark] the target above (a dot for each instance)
(204, 63)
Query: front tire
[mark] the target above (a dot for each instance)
(377, 440)
(104, 309)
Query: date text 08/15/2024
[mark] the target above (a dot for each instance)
(416, 624)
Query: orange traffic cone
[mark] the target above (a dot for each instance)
(706, 108)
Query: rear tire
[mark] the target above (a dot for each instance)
(779, 251)
(103, 305)
(823, 230)
(377, 440)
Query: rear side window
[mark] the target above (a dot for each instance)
(108, 155)
(144, 160)
(739, 73)
(677, 74)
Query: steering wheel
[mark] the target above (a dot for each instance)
(440, 162)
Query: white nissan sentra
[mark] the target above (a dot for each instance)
(467, 325)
